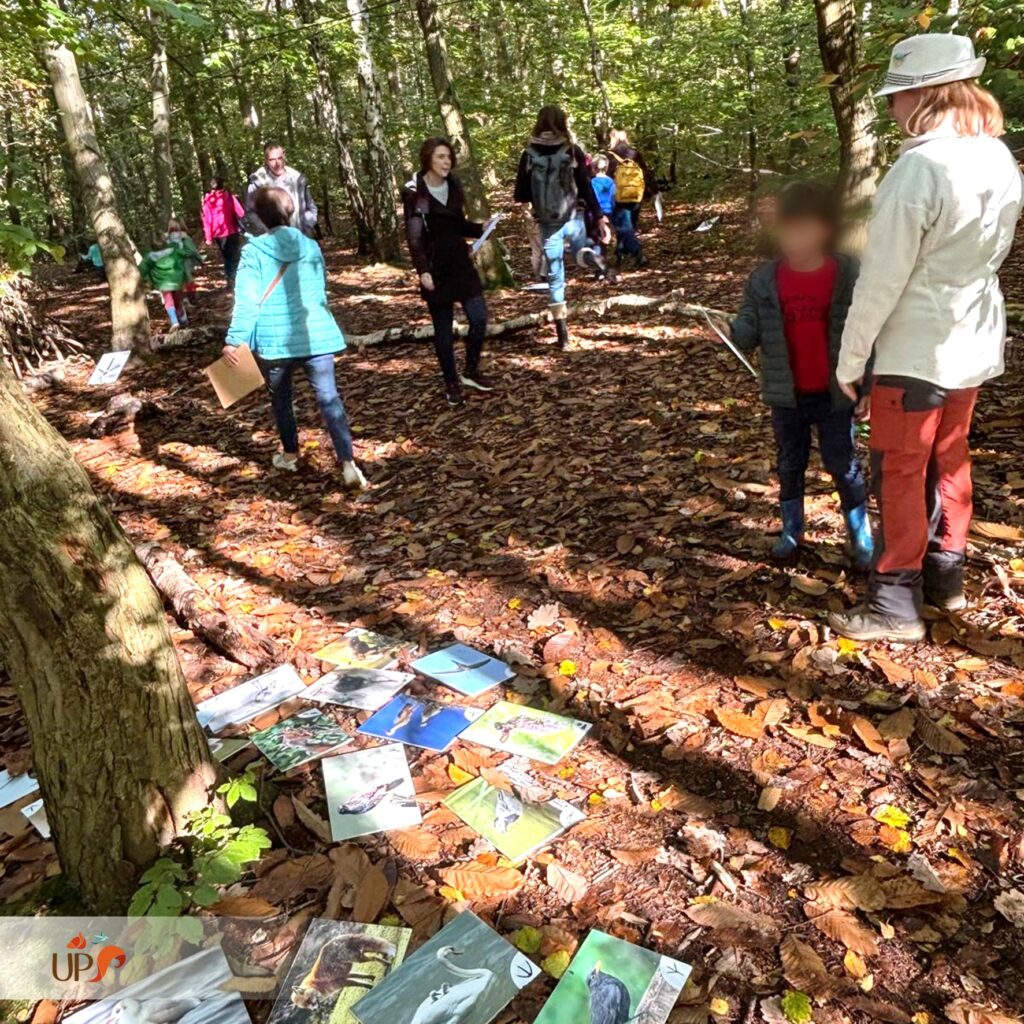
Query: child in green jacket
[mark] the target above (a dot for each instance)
(164, 268)
(176, 235)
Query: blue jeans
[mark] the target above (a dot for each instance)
(626, 242)
(835, 439)
(319, 372)
(575, 233)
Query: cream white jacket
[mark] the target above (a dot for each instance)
(928, 298)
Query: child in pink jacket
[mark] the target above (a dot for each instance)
(222, 215)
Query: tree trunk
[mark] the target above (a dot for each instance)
(603, 118)
(13, 213)
(71, 183)
(383, 215)
(163, 161)
(129, 318)
(791, 66)
(859, 154)
(493, 268)
(754, 181)
(116, 748)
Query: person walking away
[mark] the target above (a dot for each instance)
(552, 177)
(606, 190)
(634, 182)
(222, 215)
(436, 229)
(281, 313)
(275, 173)
(794, 308)
(176, 235)
(928, 304)
(163, 268)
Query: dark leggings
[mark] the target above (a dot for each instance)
(443, 316)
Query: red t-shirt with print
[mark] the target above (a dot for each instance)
(806, 299)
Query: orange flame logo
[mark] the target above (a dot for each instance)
(78, 942)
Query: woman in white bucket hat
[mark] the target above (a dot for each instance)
(928, 304)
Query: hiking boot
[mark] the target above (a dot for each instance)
(786, 547)
(858, 529)
(562, 330)
(861, 623)
(949, 603)
(453, 395)
(353, 477)
(475, 379)
(289, 463)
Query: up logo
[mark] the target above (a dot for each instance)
(78, 962)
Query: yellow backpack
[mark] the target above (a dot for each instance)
(629, 182)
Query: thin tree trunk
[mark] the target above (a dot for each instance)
(603, 120)
(750, 78)
(13, 213)
(493, 268)
(129, 318)
(859, 154)
(116, 748)
(383, 215)
(791, 66)
(163, 162)
(71, 184)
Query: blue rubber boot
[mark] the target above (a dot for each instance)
(792, 530)
(862, 545)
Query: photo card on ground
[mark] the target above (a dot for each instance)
(370, 791)
(463, 669)
(518, 729)
(419, 722)
(16, 787)
(466, 973)
(248, 699)
(610, 979)
(367, 689)
(362, 648)
(336, 965)
(108, 368)
(300, 739)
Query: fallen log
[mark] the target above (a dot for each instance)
(194, 608)
(668, 303)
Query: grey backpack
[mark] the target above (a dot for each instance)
(552, 185)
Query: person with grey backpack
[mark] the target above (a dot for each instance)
(553, 178)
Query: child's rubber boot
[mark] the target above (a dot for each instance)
(858, 529)
(792, 535)
(558, 314)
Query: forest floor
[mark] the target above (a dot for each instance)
(758, 794)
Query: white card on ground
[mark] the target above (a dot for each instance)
(14, 787)
(36, 814)
(368, 689)
(109, 368)
(370, 791)
(464, 669)
(249, 699)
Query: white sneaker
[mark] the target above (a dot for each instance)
(289, 463)
(353, 476)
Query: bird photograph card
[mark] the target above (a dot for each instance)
(36, 814)
(370, 791)
(540, 735)
(186, 992)
(336, 965)
(16, 787)
(611, 981)
(466, 973)
(300, 739)
(245, 701)
(513, 825)
(224, 747)
(463, 669)
(109, 368)
(419, 722)
(361, 648)
(368, 689)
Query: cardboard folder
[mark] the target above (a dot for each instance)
(235, 382)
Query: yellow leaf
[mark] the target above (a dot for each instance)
(594, 799)
(702, 901)
(897, 839)
(515, 603)
(657, 805)
(855, 966)
(888, 814)
(567, 772)
(450, 894)
(779, 837)
(846, 646)
(923, 20)
(556, 964)
(921, 1018)
(777, 624)
(459, 775)
(719, 1007)
(567, 668)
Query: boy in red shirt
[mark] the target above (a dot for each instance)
(794, 309)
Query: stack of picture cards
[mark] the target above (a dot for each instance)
(517, 729)
(296, 741)
(612, 980)
(463, 669)
(515, 826)
(245, 701)
(370, 791)
(360, 648)
(419, 722)
(336, 965)
(467, 973)
(367, 689)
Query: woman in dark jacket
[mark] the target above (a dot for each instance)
(437, 229)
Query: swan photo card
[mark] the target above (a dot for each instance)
(611, 979)
(463, 669)
(296, 741)
(336, 965)
(467, 973)
(518, 729)
(370, 791)
(367, 689)
(361, 648)
(244, 702)
(420, 723)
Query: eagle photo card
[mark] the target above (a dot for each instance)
(362, 648)
(518, 729)
(611, 980)
(367, 689)
(370, 791)
(463, 669)
(336, 965)
(467, 973)
(300, 739)
(419, 722)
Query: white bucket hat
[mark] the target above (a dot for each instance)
(932, 59)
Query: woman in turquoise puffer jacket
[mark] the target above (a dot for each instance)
(281, 313)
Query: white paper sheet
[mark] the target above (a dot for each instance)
(109, 368)
(488, 230)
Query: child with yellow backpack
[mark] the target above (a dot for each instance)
(634, 181)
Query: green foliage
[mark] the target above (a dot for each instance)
(212, 852)
(19, 247)
(797, 1007)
